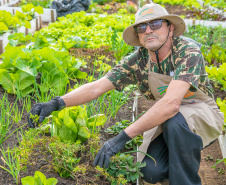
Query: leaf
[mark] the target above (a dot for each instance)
(3, 26)
(29, 180)
(97, 120)
(38, 180)
(20, 15)
(40, 175)
(6, 81)
(83, 134)
(22, 79)
(80, 121)
(38, 9)
(15, 21)
(27, 24)
(51, 181)
(27, 7)
(30, 69)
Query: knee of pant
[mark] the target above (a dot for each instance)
(154, 174)
(174, 123)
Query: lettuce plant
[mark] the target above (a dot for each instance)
(72, 124)
(38, 179)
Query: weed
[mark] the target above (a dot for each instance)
(13, 163)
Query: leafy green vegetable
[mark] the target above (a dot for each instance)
(38, 179)
(71, 124)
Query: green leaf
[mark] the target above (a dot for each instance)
(15, 21)
(80, 121)
(29, 180)
(30, 69)
(40, 175)
(40, 42)
(51, 181)
(3, 26)
(38, 9)
(27, 7)
(27, 91)
(27, 24)
(97, 120)
(38, 180)
(22, 79)
(83, 134)
(6, 81)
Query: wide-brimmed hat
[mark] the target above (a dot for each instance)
(151, 12)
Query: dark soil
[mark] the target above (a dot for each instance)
(39, 163)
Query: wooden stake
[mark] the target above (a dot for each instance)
(52, 16)
(1, 46)
(40, 22)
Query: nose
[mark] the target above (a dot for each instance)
(148, 29)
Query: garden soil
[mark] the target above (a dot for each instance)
(209, 176)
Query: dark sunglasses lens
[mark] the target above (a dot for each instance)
(141, 28)
(156, 24)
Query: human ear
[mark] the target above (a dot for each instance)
(171, 30)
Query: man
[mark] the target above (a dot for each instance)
(171, 70)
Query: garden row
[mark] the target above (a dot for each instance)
(78, 48)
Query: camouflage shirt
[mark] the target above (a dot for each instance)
(188, 65)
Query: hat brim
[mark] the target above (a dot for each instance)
(130, 36)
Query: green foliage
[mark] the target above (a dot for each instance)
(68, 159)
(101, 2)
(22, 65)
(120, 48)
(118, 127)
(122, 164)
(42, 3)
(38, 179)
(9, 114)
(216, 55)
(72, 124)
(207, 14)
(221, 4)
(218, 74)
(12, 161)
(12, 22)
(222, 105)
(29, 10)
(213, 42)
(9, 22)
(187, 3)
(218, 161)
(16, 39)
(96, 30)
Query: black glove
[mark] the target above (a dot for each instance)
(43, 110)
(111, 147)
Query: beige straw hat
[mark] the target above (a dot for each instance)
(151, 12)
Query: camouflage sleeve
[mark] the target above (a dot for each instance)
(188, 68)
(123, 73)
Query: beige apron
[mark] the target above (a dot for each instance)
(200, 111)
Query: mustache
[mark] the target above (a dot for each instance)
(151, 35)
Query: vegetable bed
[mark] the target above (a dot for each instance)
(77, 49)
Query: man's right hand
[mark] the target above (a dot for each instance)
(42, 110)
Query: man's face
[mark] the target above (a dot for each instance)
(153, 39)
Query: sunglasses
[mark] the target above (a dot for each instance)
(154, 25)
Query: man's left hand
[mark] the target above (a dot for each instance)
(111, 147)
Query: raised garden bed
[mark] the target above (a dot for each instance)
(35, 26)
(49, 15)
